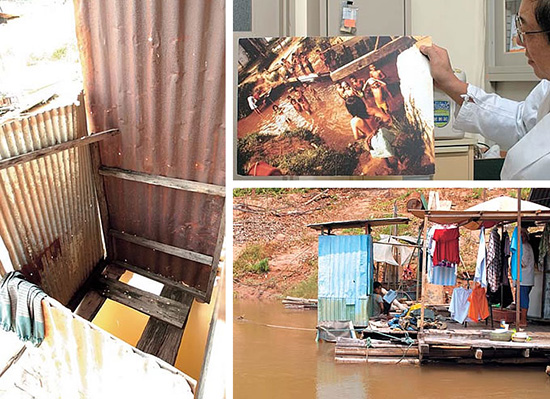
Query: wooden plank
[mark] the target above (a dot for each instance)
(163, 181)
(90, 305)
(216, 259)
(43, 152)
(350, 360)
(167, 249)
(97, 179)
(164, 309)
(161, 339)
(362, 62)
(382, 352)
(485, 343)
(161, 279)
(87, 302)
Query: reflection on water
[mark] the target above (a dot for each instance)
(274, 362)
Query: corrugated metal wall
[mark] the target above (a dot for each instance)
(345, 278)
(48, 209)
(79, 360)
(156, 70)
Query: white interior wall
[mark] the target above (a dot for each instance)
(459, 26)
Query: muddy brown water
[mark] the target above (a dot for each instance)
(276, 356)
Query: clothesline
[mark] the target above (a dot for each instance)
(474, 220)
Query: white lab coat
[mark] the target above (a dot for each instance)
(522, 128)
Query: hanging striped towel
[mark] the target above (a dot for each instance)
(21, 308)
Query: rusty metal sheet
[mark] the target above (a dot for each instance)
(48, 208)
(156, 70)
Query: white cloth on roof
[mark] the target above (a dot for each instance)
(521, 127)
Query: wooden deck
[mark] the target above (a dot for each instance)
(474, 346)
(458, 344)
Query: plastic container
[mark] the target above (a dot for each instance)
(500, 335)
(444, 113)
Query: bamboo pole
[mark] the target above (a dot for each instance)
(424, 266)
(518, 261)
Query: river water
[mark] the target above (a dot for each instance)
(276, 356)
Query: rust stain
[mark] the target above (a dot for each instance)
(32, 271)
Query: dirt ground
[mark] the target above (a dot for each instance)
(279, 221)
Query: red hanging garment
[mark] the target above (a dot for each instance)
(446, 247)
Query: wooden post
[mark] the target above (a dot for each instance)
(424, 266)
(518, 261)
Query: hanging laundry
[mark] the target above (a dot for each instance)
(481, 262)
(21, 308)
(544, 247)
(443, 273)
(479, 307)
(504, 255)
(447, 245)
(494, 259)
(514, 252)
(460, 305)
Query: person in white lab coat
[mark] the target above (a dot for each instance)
(522, 128)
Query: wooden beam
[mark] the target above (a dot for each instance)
(165, 309)
(216, 259)
(161, 279)
(33, 155)
(86, 302)
(167, 249)
(163, 181)
(398, 45)
(424, 273)
(160, 338)
(518, 264)
(97, 179)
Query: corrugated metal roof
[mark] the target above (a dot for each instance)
(345, 277)
(156, 70)
(540, 196)
(361, 223)
(49, 220)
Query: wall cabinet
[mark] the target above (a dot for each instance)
(505, 60)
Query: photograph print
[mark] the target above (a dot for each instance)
(334, 106)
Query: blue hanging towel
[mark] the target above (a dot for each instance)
(514, 252)
(21, 308)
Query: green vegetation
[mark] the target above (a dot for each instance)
(254, 259)
(307, 288)
(59, 54)
(275, 192)
(524, 193)
(261, 267)
(477, 193)
(353, 232)
(321, 161)
(316, 160)
(410, 142)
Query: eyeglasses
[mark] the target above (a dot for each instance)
(521, 33)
